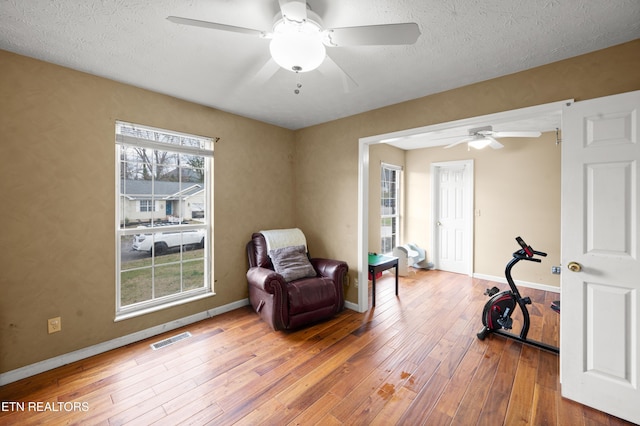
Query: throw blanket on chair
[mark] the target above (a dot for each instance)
(278, 238)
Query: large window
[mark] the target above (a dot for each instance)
(163, 221)
(389, 207)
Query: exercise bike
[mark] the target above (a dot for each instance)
(496, 315)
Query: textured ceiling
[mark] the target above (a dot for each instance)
(462, 42)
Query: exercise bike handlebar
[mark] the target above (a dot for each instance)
(522, 255)
(526, 252)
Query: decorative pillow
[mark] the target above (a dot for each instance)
(292, 263)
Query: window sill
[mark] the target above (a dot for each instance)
(138, 312)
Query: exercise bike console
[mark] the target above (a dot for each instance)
(528, 251)
(496, 315)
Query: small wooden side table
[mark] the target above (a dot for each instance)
(379, 263)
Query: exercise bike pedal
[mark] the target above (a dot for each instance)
(526, 300)
(491, 291)
(506, 323)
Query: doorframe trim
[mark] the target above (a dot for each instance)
(363, 174)
(469, 212)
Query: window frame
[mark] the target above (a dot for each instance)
(184, 295)
(395, 233)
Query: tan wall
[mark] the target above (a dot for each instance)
(327, 175)
(516, 192)
(57, 180)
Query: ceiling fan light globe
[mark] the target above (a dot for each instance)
(297, 48)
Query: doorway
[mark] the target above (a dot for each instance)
(411, 137)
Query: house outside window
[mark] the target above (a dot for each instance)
(389, 207)
(163, 218)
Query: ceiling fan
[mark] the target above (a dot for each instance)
(481, 137)
(299, 40)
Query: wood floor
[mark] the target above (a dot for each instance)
(412, 360)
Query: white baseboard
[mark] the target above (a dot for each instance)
(351, 305)
(545, 287)
(59, 361)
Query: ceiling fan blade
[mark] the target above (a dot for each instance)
(265, 72)
(494, 143)
(330, 68)
(373, 35)
(533, 134)
(458, 143)
(215, 26)
(294, 10)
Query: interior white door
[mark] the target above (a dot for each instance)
(600, 318)
(451, 214)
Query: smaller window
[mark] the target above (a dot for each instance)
(389, 207)
(146, 206)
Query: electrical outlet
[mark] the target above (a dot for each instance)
(54, 325)
(355, 282)
(556, 270)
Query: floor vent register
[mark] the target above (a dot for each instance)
(170, 341)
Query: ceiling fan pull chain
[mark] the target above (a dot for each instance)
(297, 70)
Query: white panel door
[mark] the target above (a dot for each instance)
(600, 320)
(452, 217)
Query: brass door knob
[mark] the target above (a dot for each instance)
(574, 267)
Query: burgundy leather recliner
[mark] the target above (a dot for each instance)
(291, 305)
